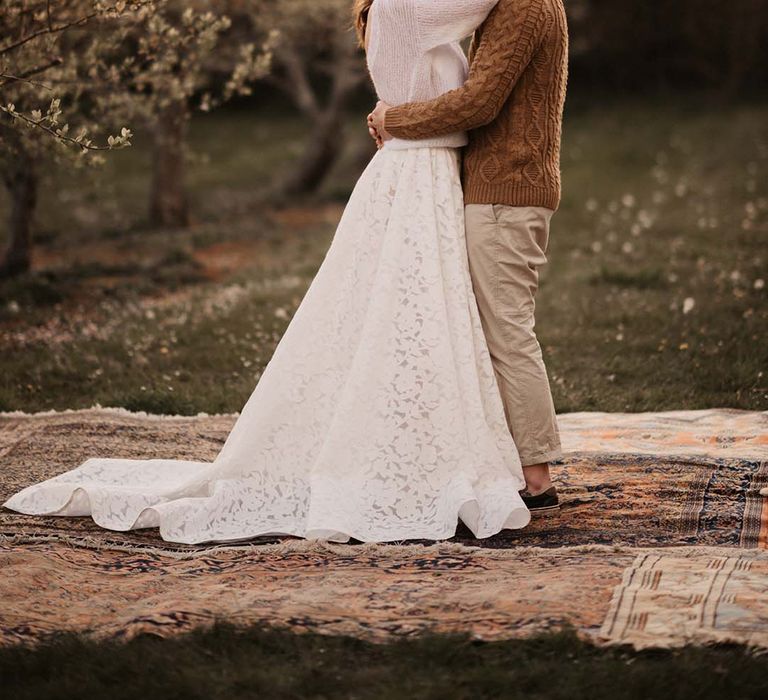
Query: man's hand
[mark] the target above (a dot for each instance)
(376, 124)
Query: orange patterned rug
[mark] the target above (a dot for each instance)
(661, 512)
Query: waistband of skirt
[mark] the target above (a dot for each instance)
(450, 141)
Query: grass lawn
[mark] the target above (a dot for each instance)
(654, 297)
(229, 663)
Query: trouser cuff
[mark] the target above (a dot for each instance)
(539, 457)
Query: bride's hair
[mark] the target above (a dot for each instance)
(360, 10)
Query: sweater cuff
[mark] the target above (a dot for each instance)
(395, 122)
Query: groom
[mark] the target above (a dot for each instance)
(512, 105)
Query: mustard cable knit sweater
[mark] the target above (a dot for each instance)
(512, 104)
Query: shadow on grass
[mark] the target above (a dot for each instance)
(88, 281)
(638, 279)
(161, 403)
(231, 662)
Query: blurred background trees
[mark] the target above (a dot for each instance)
(99, 64)
(183, 57)
(180, 166)
(47, 63)
(75, 73)
(631, 45)
(319, 66)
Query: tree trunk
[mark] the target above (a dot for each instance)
(324, 147)
(168, 198)
(22, 184)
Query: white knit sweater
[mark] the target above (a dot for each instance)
(414, 53)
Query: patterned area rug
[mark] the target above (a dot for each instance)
(707, 433)
(705, 595)
(371, 592)
(682, 486)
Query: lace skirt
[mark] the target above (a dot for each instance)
(378, 416)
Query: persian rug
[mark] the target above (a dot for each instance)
(681, 486)
(715, 433)
(620, 484)
(367, 591)
(610, 595)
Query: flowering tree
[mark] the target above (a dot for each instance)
(179, 52)
(72, 69)
(47, 60)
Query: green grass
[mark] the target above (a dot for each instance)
(661, 204)
(665, 206)
(229, 663)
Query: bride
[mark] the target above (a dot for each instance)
(378, 417)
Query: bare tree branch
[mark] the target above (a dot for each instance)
(24, 77)
(50, 28)
(46, 31)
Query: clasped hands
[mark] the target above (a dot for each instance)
(376, 124)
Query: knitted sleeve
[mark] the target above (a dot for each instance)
(510, 37)
(444, 21)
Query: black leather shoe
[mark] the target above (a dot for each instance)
(542, 502)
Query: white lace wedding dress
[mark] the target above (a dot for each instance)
(378, 417)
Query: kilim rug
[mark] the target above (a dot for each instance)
(668, 598)
(661, 512)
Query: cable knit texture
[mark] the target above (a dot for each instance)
(511, 104)
(414, 55)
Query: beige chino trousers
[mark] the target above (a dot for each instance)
(506, 247)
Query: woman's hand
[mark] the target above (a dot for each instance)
(376, 124)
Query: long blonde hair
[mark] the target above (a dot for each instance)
(360, 10)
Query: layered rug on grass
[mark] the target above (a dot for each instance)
(662, 540)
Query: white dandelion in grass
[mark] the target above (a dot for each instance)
(688, 304)
(660, 175)
(645, 218)
(628, 200)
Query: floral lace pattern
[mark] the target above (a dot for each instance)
(378, 416)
